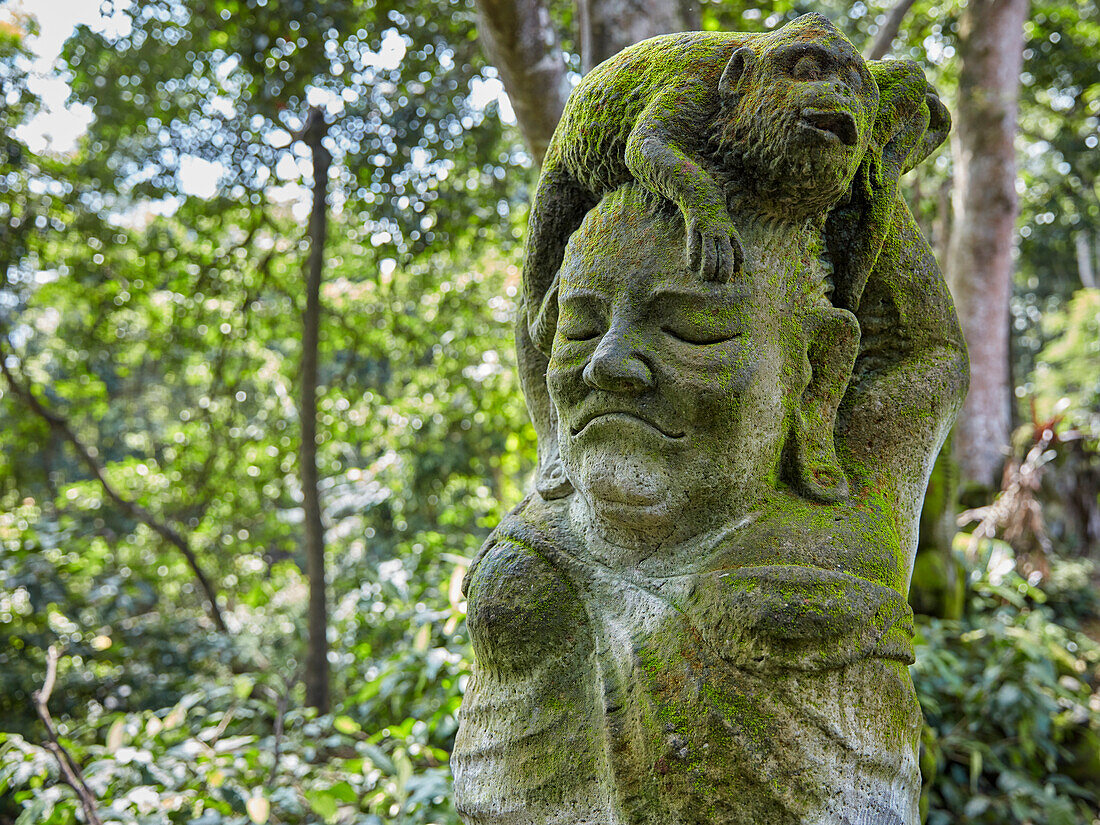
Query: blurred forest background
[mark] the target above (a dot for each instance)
(258, 406)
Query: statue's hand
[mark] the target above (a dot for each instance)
(911, 120)
(713, 247)
(900, 146)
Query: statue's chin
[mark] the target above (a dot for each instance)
(627, 492)
(627, 497)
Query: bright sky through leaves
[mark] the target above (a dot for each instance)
(59, 126)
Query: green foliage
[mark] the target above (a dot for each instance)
(164, 328)
(219, 756)
(1011, 704)
(424, 444)
(1067, 369)
(227, 82)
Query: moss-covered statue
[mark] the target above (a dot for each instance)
(741, 360)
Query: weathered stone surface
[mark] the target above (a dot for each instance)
(741, 359)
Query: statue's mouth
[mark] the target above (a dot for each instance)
(839, 126)
(626, 416)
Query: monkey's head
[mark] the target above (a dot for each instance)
(800, 105)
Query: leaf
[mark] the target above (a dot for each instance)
(35, 812)
(115, 735)
(975, 769)
(232, 743)
(344, 792)
(380, 760)
(454, 587)
(242, 686)
(324, 804)
(976, 806)
(259, 809)
(404, 768)
(346, 725)
(175, 717)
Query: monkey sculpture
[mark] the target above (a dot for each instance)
(794, 120)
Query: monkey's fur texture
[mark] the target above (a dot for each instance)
(794, 121)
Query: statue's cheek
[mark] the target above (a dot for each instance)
(522, 611)
(564, 373)
(710, 379)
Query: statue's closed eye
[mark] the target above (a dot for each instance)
(575, 327)
(700, 335)
(807, 67)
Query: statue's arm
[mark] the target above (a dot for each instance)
(910, 377)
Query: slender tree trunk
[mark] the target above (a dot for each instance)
(979, 260)
(609, 26)
(1084, 260)
(317, 667)
(888, 30)
(941, 226)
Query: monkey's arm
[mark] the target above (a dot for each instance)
(911, 123)
(656, 157)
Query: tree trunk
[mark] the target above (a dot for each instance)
(317, 668)
(519, 39)
(1084, 260)
(609, 26)
(979, 260)
(888, 30)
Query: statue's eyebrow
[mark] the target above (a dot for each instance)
(790, 53)
(725, 294)
(583, 295)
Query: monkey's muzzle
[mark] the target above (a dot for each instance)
(840, 126)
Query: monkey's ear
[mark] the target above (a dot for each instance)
(740, 63)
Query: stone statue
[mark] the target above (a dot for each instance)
(741, 360)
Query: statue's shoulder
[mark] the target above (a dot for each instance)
(523, 607)
(535, 528)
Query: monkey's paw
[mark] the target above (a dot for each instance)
(714, 249)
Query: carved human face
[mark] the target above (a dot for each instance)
(669, 390)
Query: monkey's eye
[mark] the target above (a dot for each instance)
(807, 67)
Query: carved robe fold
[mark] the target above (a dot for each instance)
(629, 694)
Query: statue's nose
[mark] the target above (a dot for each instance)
(616, 366)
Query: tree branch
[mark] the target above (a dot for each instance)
(70, 770)
(888, 30)
(62, 427)
(317, 676)
(282, 700)
(519, 39)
